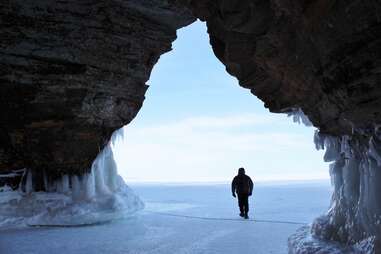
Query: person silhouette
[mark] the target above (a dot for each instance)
(243, 186)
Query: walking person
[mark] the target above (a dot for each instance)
(243, 186)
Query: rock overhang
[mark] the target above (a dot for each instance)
(72, 72)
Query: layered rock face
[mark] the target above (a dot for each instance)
(72, 72)
(320, 56)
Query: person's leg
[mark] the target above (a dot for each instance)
(241, 205)
(246, 205)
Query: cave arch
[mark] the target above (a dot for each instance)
(75, 72)
(197, 123)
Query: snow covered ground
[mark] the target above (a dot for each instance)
(186, 219)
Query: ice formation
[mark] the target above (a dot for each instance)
(354, 217)
(99, 196)
(298, 116)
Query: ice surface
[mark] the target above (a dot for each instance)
(152, 232)
(101, 195)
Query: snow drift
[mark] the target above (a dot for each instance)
(98, 196)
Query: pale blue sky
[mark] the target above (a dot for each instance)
(198, 124)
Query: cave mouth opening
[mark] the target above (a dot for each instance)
(198, 125)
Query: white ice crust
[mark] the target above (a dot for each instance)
(96, 197)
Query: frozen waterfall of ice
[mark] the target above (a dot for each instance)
(96, 197)
(353, 221)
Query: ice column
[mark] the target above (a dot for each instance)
(355, 212)
(99, 195)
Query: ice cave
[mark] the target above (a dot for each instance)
(74, 72)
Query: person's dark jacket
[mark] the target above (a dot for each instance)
(242, 184)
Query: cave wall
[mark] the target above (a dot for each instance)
(321, 56)
(74, 71)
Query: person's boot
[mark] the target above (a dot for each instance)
(246, 216)
(241, 214)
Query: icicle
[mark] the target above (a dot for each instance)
(375, 149)
(98, 170)
(76, 188)
(45, 179)
(29, 182)
(110, 178)
(332, 146)
(65, 184)
(319, 140)
(59, 188)
(375, 145)
(298, 116)
(345, 147)
(90, 186)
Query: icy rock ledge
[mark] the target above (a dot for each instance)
(96, 197)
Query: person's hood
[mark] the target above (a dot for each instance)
(241, 172)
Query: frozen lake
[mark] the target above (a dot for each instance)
(186, 219)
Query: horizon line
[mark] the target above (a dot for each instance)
(216, 182)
